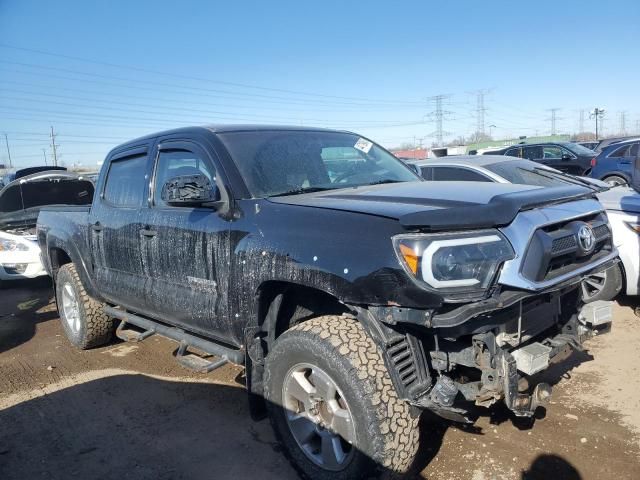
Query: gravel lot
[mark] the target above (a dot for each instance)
(129, 411)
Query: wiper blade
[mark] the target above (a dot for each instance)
(386, 180)
(298, 191)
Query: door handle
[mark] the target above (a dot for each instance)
(96, 227)
(148, 233)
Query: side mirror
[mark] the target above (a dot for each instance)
(566, 156)
(415, 168)
(190, 190)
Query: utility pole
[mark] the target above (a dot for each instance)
(598, 114)
(44, 154)
(54, 148)
(554, 118)
(6, 140)
(623, 123)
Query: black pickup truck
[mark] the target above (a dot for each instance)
(355, 294)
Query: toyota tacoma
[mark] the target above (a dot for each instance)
(355, 294)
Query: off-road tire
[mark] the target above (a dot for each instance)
(96, 327)
(387, 434)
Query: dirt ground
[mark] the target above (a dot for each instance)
(129, 411)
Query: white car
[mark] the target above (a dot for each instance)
(20, 203)
(619, 205)
(623, 210)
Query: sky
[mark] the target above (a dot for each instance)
(101, 72)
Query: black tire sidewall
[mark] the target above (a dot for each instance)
(304, 347)
(66, 277)
(612, 285)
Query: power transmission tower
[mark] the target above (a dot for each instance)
(480, 111)
(44, 154)
(598, 114)
(439, 114)
(554, 118)
(54, 148)
(581, 122)
(6, 140)
(623, 123)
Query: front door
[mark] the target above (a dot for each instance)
(114, 227)
(185, 249)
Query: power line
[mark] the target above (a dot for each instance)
(202, 89)
(189, 77)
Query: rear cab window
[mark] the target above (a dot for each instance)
(457, 175)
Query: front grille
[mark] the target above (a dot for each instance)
(563, 243)
(554, 250)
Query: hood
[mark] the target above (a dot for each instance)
(440, 205)
(21, 200)
(623, 199)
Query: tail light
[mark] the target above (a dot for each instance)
(593, 162)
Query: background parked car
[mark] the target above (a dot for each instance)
(501, 169)
(590, 145)
(564, 156)
(614, 164)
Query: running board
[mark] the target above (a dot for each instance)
(197, 363)
(131, 334)
(151, 327)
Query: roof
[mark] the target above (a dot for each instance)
(220, 128)
(477, 160)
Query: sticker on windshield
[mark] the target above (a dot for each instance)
(363, 145)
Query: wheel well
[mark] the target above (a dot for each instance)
(293, 304)
(58, 258)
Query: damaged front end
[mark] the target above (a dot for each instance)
(495, 356)
(477, 352)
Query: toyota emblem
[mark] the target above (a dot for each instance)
(586, 238)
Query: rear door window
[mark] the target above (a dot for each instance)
(457, 175)
(125, 184)
(513, 152)
(427, 173)
(551, 152)
(532, 153)
(621, 152)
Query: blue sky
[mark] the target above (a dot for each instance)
(104, 72)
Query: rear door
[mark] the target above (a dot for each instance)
(186, 250)
(114, 225)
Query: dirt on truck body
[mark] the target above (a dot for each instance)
(355, 294)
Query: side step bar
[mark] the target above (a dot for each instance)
(151, 327)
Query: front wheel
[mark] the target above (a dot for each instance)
(332, 403)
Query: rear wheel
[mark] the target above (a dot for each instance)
(83, 320)
(332, 403)
(616, 180)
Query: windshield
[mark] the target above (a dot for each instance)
(287, 162)
(529, 173)
(578, 149)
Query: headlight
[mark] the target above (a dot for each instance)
(454, 263)
(7, 245)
